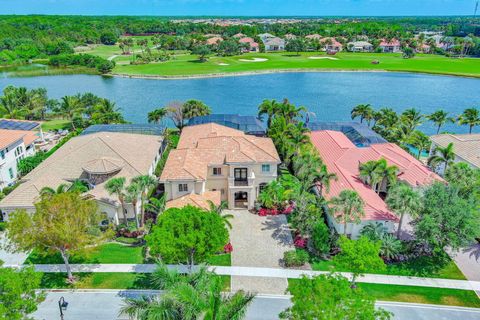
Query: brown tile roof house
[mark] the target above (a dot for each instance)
(206, 145)
(465, 146)
(8, 137)
(95, 158)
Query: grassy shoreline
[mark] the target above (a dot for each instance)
(187, 66)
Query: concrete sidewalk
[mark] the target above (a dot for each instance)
(269, 273)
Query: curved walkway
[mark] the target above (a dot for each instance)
(269, 273)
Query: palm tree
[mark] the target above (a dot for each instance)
(386, 173)
(117, 186)
(219, 210)
(324, 178)
(362, 111)
(348, 207)
(441, 155)
(145, 183)
(70, 107)
(76, 186)
(470, 117)
(374, 231)
(268, 108)
(390, 247)
(132, 194)
(192, 296)
(439, 118)
(411, 118)
(420, 141)
(289, 111)
(157, 115)
(194, 108)
(368, 172)
(105, 112)
(402, 199)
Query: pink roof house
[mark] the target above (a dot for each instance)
(253, 45)
(343, 158)
(390, 46)
(331, 44)
(214, 40)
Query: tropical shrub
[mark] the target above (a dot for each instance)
(320, 239)
(295, 258)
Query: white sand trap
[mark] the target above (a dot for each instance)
(322, 58)
(223, 64)
(253, 60)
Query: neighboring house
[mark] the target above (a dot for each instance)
(274, 44)
(465, 146)
(94, 158)
(265, 36)
(423, 48)
(314, 36)
(214, 41)
(343, 158)
(252, 45)
(239, 35)
(390, 46)
(360, 46)
(290, 36)
(331, 45)
(248, 124)
(14, 146)
(218, 163)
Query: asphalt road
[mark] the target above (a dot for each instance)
(92, 305)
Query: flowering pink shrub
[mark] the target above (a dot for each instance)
(228, 248)
(288, 210)
(300, 242)
(262, 212)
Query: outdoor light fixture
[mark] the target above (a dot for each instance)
(62, 306)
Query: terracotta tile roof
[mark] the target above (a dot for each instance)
(246, 40)
(67, 164)
(466, 146)
(8, 137)
(214, 40)
(391, 43)
(209, 144)
(196, 200)
(315, 36)
(342, 157)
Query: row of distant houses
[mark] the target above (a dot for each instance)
(331, 44)
(221, 158)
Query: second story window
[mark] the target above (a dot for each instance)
(10, 172)
(2, 154)
(183, 187)
(217, 171)
(265, 168)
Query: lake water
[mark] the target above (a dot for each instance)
(330, 95)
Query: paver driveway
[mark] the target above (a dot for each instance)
(259, 242)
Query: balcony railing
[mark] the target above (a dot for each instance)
(240, 183)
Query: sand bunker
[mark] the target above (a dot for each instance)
(253, 60)
(223, 64)
(322, 58)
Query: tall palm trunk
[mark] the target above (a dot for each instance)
(399, 230)
(122, 204)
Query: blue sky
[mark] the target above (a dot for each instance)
(240, 7)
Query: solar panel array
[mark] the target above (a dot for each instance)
(360, 134)
(18, 125)
(147, 129)
(247, 124)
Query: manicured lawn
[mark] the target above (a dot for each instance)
(186, 64)
(223, 260)
(108, 280)
(414, 294)
(421, 267)
(105, 253)
(56, 124)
